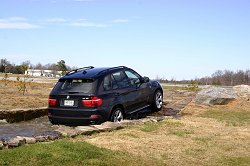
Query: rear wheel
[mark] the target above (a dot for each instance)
(117, 115)
(157, 101)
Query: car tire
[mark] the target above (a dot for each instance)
(157, 102)
(117, 115)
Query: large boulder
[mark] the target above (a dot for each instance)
(215, 95)
(243, 91)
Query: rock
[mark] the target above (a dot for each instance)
(3, 121)
(242, 91)
(126, 122)
(113, 125)
(1, 145)
(145, 120)
(171, 112)
(47, 135)
(215, 96)
(86, 130)
(5, 143)
(15, 142)
(40, 138)
(67, 131)
(102, 128)
(28, 140)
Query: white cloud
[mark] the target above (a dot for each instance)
(55, 20)
(16, 23)
(120, 20)
(81, 22)
(82, 19)
(87, 24)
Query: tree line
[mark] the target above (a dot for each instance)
(220, 77)
(227, 78)
(8, 67)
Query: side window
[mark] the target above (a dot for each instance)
(133, 77)
(120, 79)
(114, 83)
(107, 83)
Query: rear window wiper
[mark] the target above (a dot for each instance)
(73, 92)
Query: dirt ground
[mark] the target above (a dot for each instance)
(36, 95)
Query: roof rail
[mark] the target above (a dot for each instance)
(82, 68)
(112, 68)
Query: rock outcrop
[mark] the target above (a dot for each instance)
(216, 95)
(242, 91)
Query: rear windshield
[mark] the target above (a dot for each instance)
(75, 86)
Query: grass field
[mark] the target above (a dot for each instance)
(191, 140)
(187, 88)
(204, 135)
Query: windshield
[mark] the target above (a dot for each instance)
(75, 86)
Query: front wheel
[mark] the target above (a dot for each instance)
(117, 115)
(157, 101)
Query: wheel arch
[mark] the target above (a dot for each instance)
(116, 106)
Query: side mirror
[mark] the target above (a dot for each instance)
(145, 80)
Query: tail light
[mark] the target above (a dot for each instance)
(92, 102)
(52, 102)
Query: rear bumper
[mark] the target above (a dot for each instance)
(76, 117)
(74, 120)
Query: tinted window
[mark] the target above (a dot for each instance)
(120, 79)
(114, 83)
(75, 86)
(133, 77)
(107, 83)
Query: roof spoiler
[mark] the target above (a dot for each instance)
(79, 69)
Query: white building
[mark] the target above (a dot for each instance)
(43, 73)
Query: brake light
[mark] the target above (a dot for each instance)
(52, 102)
(92, 102)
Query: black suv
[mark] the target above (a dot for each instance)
(94, 95)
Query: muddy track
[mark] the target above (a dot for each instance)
(174, 102)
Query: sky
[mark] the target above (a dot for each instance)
(171, 39)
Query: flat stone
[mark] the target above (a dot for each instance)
(47, 135)
(15, 142)
(102, 128)
(5, 144)
(29, 140)
(126, 123)
(41, 138)
(1, 145)
(113, 125)
(145, 120)
(86, 130)
(67, 131)
(3, 121)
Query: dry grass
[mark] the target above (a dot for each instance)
(12, 98)
(190, 140)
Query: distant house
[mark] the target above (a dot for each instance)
(33, 72)
(43, 73)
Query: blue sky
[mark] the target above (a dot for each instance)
(179, 39)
